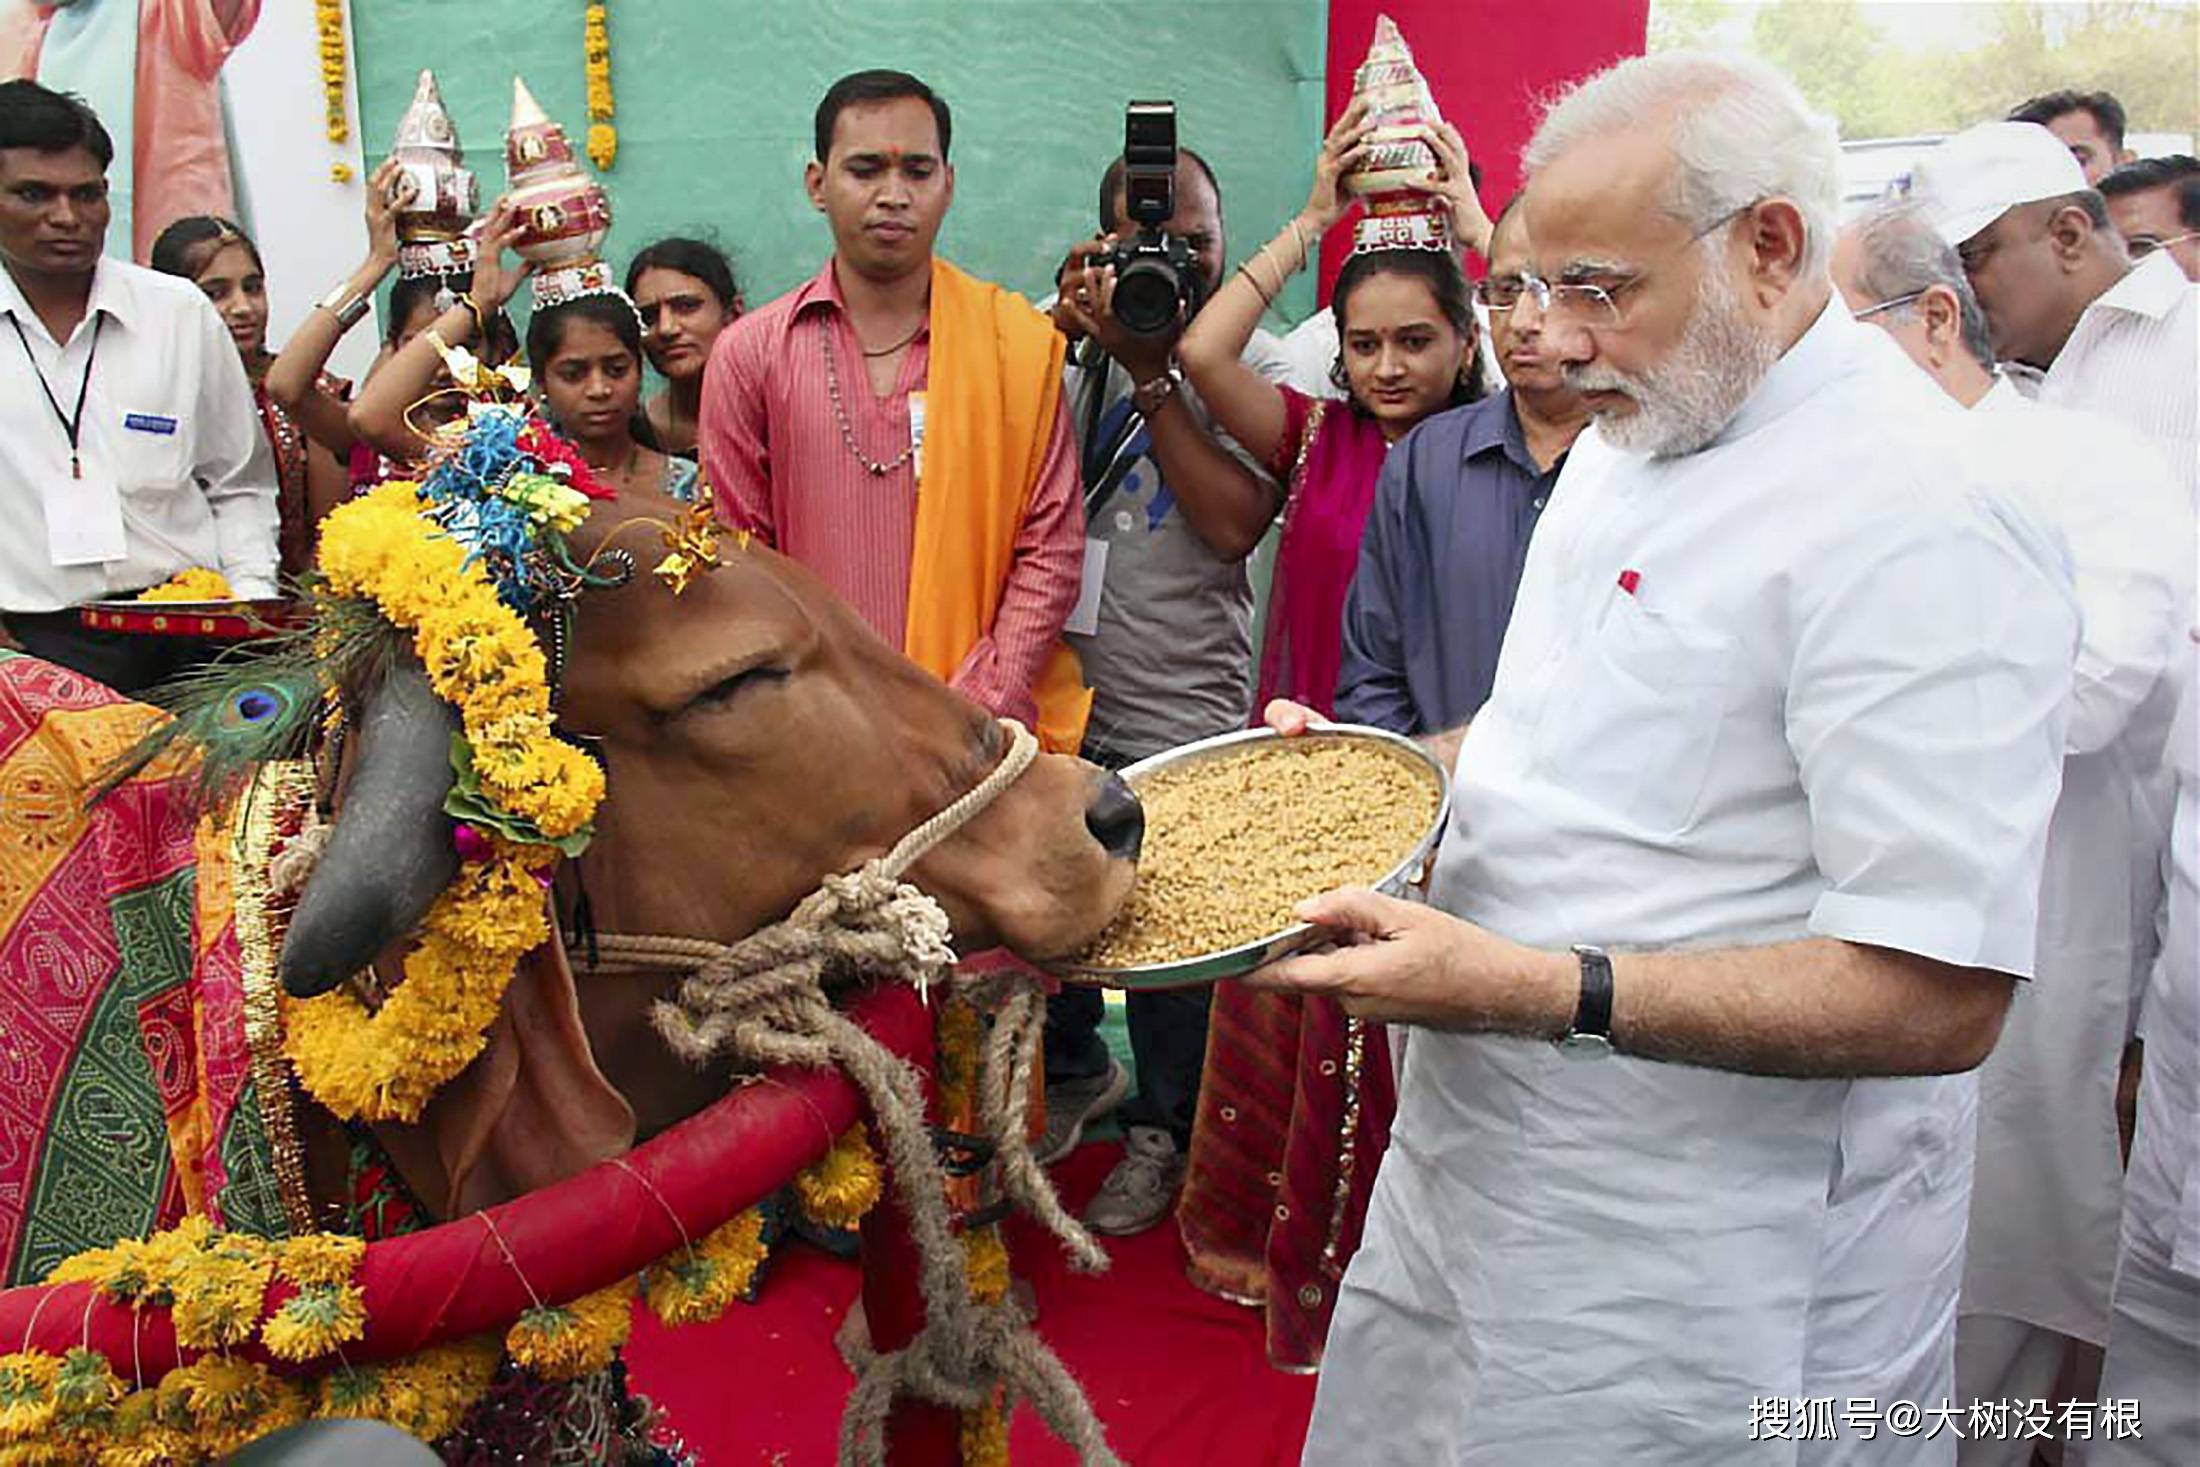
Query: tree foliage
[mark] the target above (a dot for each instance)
(1847, 64)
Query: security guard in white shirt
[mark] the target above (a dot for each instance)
(129, 448)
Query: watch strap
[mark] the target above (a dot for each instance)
(1149, 397)
(1593, 1012)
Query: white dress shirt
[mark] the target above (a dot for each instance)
(2048, 1192)
(2154, 1336)
(2134, 356)
(2165, 1155)
(168, 417)
(1808, 681)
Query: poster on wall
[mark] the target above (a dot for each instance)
(218, 107)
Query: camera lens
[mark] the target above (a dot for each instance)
(1148, 296)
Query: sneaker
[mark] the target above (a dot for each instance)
(1137, 1194)
(1075, 1103)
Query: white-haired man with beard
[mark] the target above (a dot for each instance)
(1751, 826)
(2047, 1195)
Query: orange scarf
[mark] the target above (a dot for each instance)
(994, 384)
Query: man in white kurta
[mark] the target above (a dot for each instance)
(2154, 1335)
(1778, 724)
(2083, 325)
(2048, 1189)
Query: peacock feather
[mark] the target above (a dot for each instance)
(260, 701)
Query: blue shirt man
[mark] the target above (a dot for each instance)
(1458, 500)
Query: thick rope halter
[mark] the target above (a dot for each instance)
(763, 1000)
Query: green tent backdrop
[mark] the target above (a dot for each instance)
(715, 99)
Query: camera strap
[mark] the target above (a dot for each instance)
(1105, 466)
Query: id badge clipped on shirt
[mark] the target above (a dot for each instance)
(1084, 617)
(916, 435)
(83, 520)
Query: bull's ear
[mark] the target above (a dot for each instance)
(390, 854)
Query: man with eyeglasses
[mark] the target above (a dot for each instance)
(2064, 302)
(1448, 533)
(1743, 859)
(2155, 204)
(2045, 1202)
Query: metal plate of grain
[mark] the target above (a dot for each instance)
(1236, 962)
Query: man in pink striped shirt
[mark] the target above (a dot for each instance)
(813, 415)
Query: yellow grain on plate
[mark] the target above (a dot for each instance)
(1235, 843)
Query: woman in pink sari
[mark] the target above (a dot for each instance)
(1296, 1098)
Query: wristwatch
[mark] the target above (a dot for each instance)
(1590, 1036)
(1149, 396)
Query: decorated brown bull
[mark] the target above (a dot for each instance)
(712, 779)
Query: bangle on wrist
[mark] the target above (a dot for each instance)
(481, 320)
(1253, 280)
(345, 304)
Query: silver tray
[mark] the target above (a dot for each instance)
(1237, 961)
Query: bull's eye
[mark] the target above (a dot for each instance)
(728, 688)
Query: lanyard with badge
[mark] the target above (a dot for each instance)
(83, 516)
(1107, 464)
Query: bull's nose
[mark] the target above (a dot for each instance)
(1115, 817)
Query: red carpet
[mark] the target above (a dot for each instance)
(1178, 1377)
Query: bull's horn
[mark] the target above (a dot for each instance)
(390, 854)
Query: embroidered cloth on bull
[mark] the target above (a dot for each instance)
(120, 996)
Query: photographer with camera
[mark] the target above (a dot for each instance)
(1164, 625)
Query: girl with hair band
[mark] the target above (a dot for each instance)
(686, 293)
(585, 356)
(1407, 348)
(1296, 1096)
(224, 262)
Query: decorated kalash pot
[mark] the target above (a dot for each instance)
(431, 229)
(565, 213)
(1399, 108)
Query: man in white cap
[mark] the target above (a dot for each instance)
(2046, 1197)
(1750, 825)
(2061, 295)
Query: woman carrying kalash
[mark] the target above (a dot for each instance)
(1407, 338)
(584, 356)
(1296, 1097)
(686, 293)
(309, 476)
(297, 380)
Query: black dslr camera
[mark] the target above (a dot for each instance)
(1157, 282)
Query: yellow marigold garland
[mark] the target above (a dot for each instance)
(194, 584)
(328, 16)
(694, 1286)
(320, 1258)
(225, 1402)
(27, 1402)
(844, 1184)
(603, 138)
(314, 1321)
(426, 1394)
(985, 1262)
(219, 1293)
(567, 1341)
(480, 655)
(481, 658)
(984, 1437)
